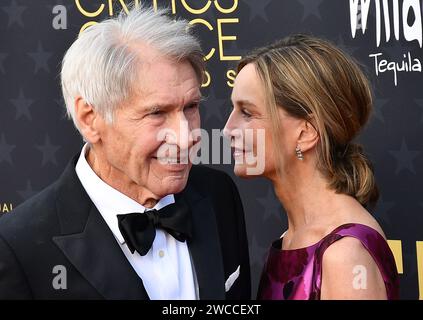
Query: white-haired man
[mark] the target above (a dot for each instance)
(126, 221)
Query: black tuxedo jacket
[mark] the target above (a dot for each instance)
(62, 227)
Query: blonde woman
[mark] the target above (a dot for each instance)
(312, 100)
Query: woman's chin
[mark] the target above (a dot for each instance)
(242, 172)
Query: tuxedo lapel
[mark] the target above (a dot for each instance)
(204, 246)
(89, 244)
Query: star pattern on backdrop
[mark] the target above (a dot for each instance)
(347, 48)
(378, 106)
(270, 205)
(311, 8)
(48, 151)
(3, 57)
(405, 158)
(5, 150)
(14, 13)
(258, 9)
(381, 212)
(61, 103)
(28, 192)
(40, 57)
(258, 252)
(22, 104)
(213, 106)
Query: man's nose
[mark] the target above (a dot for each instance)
(182, 133)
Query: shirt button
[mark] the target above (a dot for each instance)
(161, 253)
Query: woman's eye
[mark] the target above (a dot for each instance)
(245, 113)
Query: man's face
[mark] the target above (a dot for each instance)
(167, 101)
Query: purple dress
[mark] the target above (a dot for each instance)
(297, 274)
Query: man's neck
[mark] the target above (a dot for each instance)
(119, 181)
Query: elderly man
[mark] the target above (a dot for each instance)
(126, 221)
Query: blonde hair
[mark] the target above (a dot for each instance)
(310, 78)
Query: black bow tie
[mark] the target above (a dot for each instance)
(139, 229)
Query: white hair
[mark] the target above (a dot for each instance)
(101, 66)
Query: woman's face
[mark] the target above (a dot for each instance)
(250, 129)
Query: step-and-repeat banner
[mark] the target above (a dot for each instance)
(37, 141)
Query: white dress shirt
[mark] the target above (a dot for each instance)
(166, 270)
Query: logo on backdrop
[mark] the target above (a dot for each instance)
(6, 207)
(219, 27)
(400, 20)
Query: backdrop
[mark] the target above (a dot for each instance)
(37, 141)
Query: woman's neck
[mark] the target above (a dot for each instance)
(307, 199)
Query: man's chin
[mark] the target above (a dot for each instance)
(174, 187)
(173, 184)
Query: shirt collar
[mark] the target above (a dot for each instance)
(109, 201)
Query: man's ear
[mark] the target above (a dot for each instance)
(308, 137)
(88, 120)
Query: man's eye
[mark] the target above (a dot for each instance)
(156, 113)
(191, 107)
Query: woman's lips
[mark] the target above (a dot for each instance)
(238, 153)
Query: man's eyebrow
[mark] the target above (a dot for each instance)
(156, 107)
(166, 106)
(152, 108)
(198, 99)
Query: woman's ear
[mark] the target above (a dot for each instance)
(88, 120)
(309, 136)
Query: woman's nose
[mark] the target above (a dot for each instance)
(229, 126)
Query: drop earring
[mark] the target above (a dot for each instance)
(299, 153)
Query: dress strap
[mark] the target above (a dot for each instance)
(373, 242)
